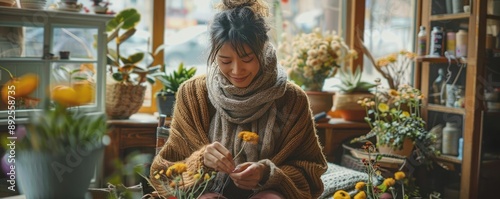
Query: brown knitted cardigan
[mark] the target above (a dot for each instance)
(297, 163)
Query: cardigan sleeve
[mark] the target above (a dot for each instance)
(296, 169)
(188, 137)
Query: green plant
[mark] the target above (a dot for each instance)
(133, 167)
(394, 116)
(377, 186)
(126, 69)
(56, 128)
(172, 81)
(350, 82)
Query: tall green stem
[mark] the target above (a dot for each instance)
(10, 74)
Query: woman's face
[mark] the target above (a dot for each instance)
(240, 71)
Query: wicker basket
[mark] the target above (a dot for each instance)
(123, 100)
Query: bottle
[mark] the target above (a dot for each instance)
(437, 86)
(450, 43)
(437, 40)
(422, 41)
(461, 44)
(457, 6)
(451, 134)
(460, 148)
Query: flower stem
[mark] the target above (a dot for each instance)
(241, 150)
(10, 74)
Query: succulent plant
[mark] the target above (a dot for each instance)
(351, 81)
(172, 81)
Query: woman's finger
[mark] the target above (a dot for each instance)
(218, 158)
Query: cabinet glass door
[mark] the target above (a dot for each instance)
(79, 42)
(21, 41)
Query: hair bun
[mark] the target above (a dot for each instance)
(259, 7)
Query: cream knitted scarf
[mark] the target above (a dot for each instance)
(247, 109)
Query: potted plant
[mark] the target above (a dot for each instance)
(351, 89)
(395, 121)
(165, 98)
(58, 154)
(125, 90)
(100, 6)
(310, 58)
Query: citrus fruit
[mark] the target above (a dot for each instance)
(64, 95)
(20, 86)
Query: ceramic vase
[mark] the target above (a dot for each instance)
(45, 175)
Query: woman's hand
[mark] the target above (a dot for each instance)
(248, 175)
(218, 157)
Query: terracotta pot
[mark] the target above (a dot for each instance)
(405, 151)
(353, 115)
(320, 101)
(347, 105)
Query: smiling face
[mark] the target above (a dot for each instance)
(240, 71)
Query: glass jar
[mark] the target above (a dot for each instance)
(451, 135)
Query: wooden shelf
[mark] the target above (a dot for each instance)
(445, 109)
(494, 17)
(31, 59)
(449, 158)
(74, 60)
(427, 58)
(493, 113)
(444, 17)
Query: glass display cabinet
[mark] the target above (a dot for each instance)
(62, 48)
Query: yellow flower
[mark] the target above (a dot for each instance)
(405, 114)
(382, 62)
(207, 177)
(383, 107)
(360, 195)
(399, 175)
(248, 136)
(389, 182)
(157, 176)
(393, 92)
(180, 168)
(169, 172)
(360, 185)
(341, 194)
(392, 58)
(197, 176)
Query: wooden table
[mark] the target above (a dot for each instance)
(336, 131)
(137, 132)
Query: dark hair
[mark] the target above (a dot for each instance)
(239, 26)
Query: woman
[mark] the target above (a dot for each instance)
(245, 90)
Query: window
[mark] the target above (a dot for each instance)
(389, 28)
(186, 33)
